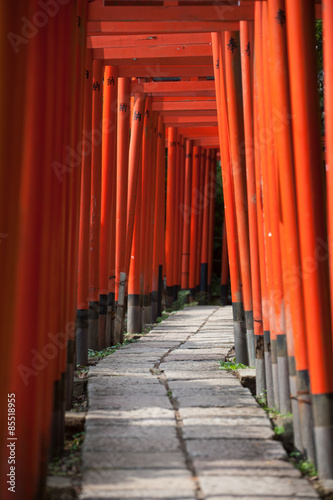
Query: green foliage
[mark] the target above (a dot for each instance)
(181, 301)
(279, 429)
(77, 441)
(69, 462)
(164, 316)
(169, 394)
(306, 467)
(262, 400)
(231, 365)
(81, 370)
(96, 355)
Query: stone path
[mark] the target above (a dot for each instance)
(165, 423)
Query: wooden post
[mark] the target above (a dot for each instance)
(327, 6)
(151, 216)
(159, 221)
(146, 180)
(247, 52)
(236, 130)
(108, 192)
(170, 212)
(95, 204)
(123, 118)
(200, 208)
(205, 229)
(311, 222)
(194, 220)
(186, 216)
(84, 236)
(262, 211)
(212, 198)
(229, 204)
(133, 208)
(274, 201)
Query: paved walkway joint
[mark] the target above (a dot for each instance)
(165, 423)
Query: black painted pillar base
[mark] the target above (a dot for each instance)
(305, 414)
(70, 374)
(240, 333)
(160, 290)
(82, 337)
(103, 311)
(283, 373)
(110, 320)
(93, 325)
(134, 314)
(224, 295)
(322, 405)
(154, 306)
(260, 366)
(268, 369)
(169, 296)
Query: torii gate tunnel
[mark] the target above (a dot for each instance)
(114, 117)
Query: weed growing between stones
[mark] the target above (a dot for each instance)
(231, 365)
(283, 431)
(306, 467)
(164, 316)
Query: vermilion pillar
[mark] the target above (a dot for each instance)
(327, 6)
(146, 179)
(159, 226)
(84, 235)
(236, 130)
(212, 199)
(205, 229)
(262, 215)
(279, 343)
(151, 216)
(170, 211)
(26, 384)
(176, 222)
(229, 204)
(95, 205)
(11, 126)
(78, 11)
(134, 170)
(123, 118)
(180, 209)
(133, 208)
(108, 169)
(186, 216)
(200, 208)
(247, 52)
(194, 219)
(311, 221)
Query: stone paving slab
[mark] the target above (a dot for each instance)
(158, 442)
(129, 460)
(138, 484)
(264, 487)
(165, 423)
(129, 402)
(258, 468)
